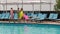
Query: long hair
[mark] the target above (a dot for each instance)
(21, 8)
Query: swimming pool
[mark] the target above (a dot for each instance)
(29, 29)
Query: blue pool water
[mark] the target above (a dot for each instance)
(29, 29)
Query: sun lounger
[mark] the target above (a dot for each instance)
(7, 16)
(30, 14)
(34, 16)
(0, 16)
(41, 17)
(53, 16)
(15, 16)
(3, 15)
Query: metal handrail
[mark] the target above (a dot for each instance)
(26, 2)
(23, 3)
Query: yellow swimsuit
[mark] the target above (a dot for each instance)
(20, 14)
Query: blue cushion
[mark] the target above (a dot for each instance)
(7, 16)
(28, 14)
(41, 16)
(0, 15)
(15, 16)
(34, 16)
(3, 16)
(53, 16)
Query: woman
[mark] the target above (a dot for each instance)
(11, 13)
(20, 14)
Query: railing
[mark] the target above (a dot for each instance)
(29, 2)
(26, 2)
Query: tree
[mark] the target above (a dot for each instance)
(57, 6)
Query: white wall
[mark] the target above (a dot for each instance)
(44, 7)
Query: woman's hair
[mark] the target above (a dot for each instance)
(11, 8)
(21, 8)
(18, 8)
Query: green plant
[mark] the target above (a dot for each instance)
(57, 5)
